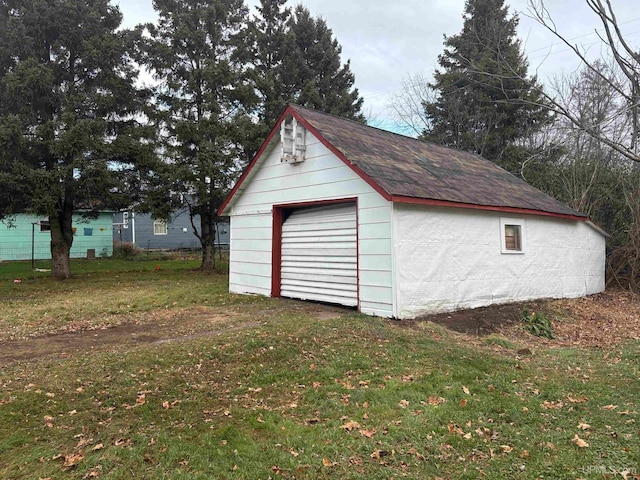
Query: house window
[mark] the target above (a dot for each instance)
(512, 233)
(512, 237)
(293, 140)
(159, 227)
(45, 226)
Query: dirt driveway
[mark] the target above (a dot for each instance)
(598, 321)
(158, 326)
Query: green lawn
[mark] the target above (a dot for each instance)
(277, 392)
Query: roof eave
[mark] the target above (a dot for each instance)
(491, 208)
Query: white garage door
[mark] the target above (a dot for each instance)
(319, 255)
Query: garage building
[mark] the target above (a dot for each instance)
(335, 211)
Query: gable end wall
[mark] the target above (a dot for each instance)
(322, 176)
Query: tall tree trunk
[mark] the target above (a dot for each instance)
(207, 237)
(61, 241)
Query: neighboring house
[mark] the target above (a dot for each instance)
(92, 237)
(177, 233)
(335, 211)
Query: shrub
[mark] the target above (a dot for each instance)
(125, 251)
(537, 324)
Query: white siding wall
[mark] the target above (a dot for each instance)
(322, 176)
(450, 259)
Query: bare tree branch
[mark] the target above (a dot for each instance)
(626, 60)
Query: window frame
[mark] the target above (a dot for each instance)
(157, 223)
(44, 226)
(507, 222)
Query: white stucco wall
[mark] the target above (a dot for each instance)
(322, 176)
(448, 259)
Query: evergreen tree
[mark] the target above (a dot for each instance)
(195, 52)
(296, 59)
(319, 80)
(69, 134)
(271, 61)
(484, 99)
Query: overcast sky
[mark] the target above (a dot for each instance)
(388, 40)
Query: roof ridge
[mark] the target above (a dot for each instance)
(404, 137)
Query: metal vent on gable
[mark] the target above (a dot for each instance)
(293, 140)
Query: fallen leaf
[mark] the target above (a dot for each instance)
(351, 425)
(453, 428)
(328, 463)
(584, 426)
(378, 454)
(466, 390)
(463, 402)
(368, 433)
(433, 400)
(72, 460)
(506, 448)
(570, 399)
(580, 442)
(610, 407)
(404, 403)
(98, 447)
(552, 405)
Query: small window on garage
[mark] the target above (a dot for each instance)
(512, 233)
(159, 227)
(45, 226)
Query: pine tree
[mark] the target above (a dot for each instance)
(320, 81)
(485, 101)
(195, 52)
(296, 59)
(271, 46)
(69, 133)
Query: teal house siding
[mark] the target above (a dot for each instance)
(15, 237)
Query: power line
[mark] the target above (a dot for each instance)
(576, 37)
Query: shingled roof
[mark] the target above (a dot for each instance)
(404, 169)
(413, 169)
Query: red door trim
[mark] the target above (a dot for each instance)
(278, 216)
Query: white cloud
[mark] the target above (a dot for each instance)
(387, 41)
